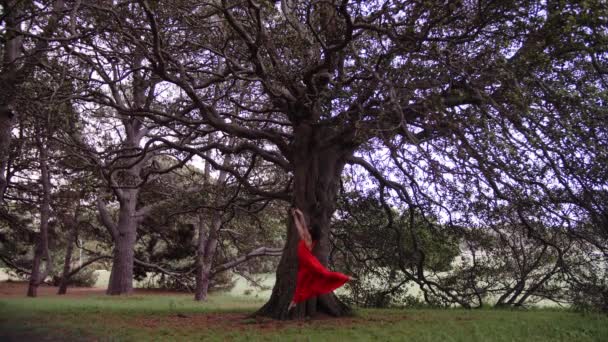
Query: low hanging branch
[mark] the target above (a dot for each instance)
(161, 269)
(138, 262)
(9, 263)
(259, 252)
(262, 251)
(87, 263)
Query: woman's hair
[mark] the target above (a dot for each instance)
(315, 232)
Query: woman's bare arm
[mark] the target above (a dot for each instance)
(298, 218)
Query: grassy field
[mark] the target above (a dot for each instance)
(167, 317)
(242, 287)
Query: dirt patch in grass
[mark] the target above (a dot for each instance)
(12, 289)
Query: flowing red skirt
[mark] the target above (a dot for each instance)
(313, 278)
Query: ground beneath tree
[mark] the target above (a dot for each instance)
(87, 314)
(12, 289)
(12, 336)
(222, 321)
(245, 323)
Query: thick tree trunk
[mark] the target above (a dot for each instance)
(200, 292)
(6, 122)
(206, 255)
(121, 277)
(42, 247)
(207, 243)
(318, 167)
(67, 262)
(8, 84)
(32, 290)
(203, 278)
(126, 180)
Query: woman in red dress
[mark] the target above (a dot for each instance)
(313, 278)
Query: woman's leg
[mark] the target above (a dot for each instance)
(292, 305)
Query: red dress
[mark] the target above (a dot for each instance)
(313, 278)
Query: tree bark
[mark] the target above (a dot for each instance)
(199, 293)
(42, 247)
(67, 262)
(206, 255)
(121, 276)
(6, 122)
(318, 166)
(8, 78)
(207, 243)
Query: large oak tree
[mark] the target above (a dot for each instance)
(440, 102)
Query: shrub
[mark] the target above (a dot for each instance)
(85, 278)
(590, 298)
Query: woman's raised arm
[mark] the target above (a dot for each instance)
(300, 222)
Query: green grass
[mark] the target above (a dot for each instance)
(179, 318)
